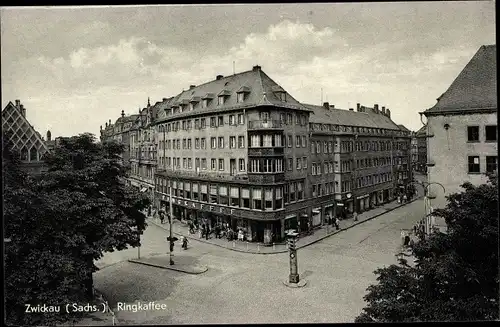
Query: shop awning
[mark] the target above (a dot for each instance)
(144, 189)
(316, 212)
(290, 217)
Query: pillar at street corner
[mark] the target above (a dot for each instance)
(294, 270)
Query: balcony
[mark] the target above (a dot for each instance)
(265, 125)
(266, 178)
(265, 152)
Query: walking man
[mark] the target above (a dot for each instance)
(337, 221)
(355, 215)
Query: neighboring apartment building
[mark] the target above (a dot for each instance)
(358, 160)
(462, 128)
(414, 152)
(120, 132)
(24, 137)
(421, 143)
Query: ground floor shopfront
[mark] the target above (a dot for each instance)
(371, 200)
(258, 226)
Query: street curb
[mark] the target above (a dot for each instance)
(298, 247)
(204, 269)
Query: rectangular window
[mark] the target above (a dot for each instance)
(221, 142)
(300, 191)
(491, 133)
(196, 143)
(232, 120)
(203, 143)
(304, 162)
(190, 163)
(220, 120)
(213, 164)
(189, 144)
(318, 147)
(297, 141)
(240, 119)
(245, 198)
(213, 122)
(268, 199)
(298, 163)
(204, 193)
(213, 193)
(257, 199)
(491, 164)
(213, 142)
(241, 142)
(474, 164)
(304, 143)
(235, 196)
(221, 100)
(277, 140)
(278, 202)
(289, 141)
(255, 166)
(232, 142)
(473, 133)
(255, 141)
(279, 165)
(203, 123)
(292, 192)
(267, 140)
(290, 164)
(204, 163)
(242, 164)
(221, 164)
(264, 115)
(268, 165)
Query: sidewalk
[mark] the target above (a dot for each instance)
(181, 229)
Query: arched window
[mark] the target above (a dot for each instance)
(24, 153)
(33, 154)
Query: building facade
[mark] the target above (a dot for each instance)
(25, 139)
(358, 160)
(462, 129)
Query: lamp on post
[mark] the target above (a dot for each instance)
(170, 218)
(427, 203)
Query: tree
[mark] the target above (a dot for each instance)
(456, 273)
(63, 220)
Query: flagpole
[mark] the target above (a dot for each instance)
(170, 223)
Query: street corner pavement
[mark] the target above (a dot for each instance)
(128, 282)
(182, 263)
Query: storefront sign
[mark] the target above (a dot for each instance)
(204, 207)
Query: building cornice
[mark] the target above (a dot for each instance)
(465, 111)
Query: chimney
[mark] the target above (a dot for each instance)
(23, 110)
(383, 110)
(100, 128)
(18, 103)
(388, 112)
(219, 77)
(332, 106)
(164, 99)
(110, 122)
(192, 87)
(106, 125)
(375, 106)
(123, 113)
(358, 106)
(326, 105)
(49, 136)
(351, 109)
(256, 68)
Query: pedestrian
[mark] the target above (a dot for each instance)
(399, 198)
(207, 232)
(162, 217)
(355, 216)
(405, 198)
(184, 243)
(191, 227)
(403, 234)
(407, 240)
(337, 223)
(217, 231)
(328, 219)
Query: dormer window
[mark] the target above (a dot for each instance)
(191, 106)
(204, 103)
(181, 108)
(221, 100)
(282, 96)
(222, 96)
(242, 93)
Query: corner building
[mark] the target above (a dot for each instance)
(221, 153)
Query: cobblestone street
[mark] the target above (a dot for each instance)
(247, 288)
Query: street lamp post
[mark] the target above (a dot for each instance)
(428, 204)
(171, 241)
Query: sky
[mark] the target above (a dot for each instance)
(74, 68)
